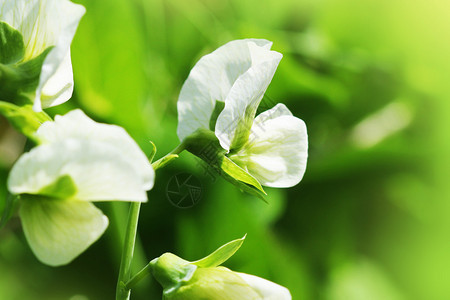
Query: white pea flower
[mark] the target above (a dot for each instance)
(79, 161)
(44, 24)
(222, 94)
(205, 279)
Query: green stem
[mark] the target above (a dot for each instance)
(122, 293)
(124, 283)
(136, 278)
(160, 163)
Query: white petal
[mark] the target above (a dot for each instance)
(265, 288)
(77, 125)
(213, 283)
(99, 171)
(45, 23)
(234, 122)
(59, 87)
(60, 230)
(209, 80)
(277, 150)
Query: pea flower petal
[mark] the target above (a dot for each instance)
(277, 148)
(78, 161)
(222, 94)
(77, 125)
(211, 80)
(266, 289)
(59, 230)
(100, 172)
(214, 283)
(244, 97)
(43, 24)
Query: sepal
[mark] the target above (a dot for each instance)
(221, 255)
(204, 144)
(24, 118)
(19, 78)
(12, 48)
(171, 271)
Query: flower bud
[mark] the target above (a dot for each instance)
(203, 279)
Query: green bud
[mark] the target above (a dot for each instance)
(171, 271)
(204, 279)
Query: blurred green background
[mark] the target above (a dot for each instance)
(371, 218)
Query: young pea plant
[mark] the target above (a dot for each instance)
(76, 161)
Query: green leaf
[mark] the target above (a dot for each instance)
(12, 48)
(23, 118)
(221, 255)
(64, 187)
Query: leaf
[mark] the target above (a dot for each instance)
(23, 118)
(12, 48)
(221, 255)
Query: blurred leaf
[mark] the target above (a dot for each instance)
(8, 209)
(107, 56)
(361, 280)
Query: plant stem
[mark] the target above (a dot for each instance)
(160, 163)
(122, 293)
(124, 283)
(136, 278)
